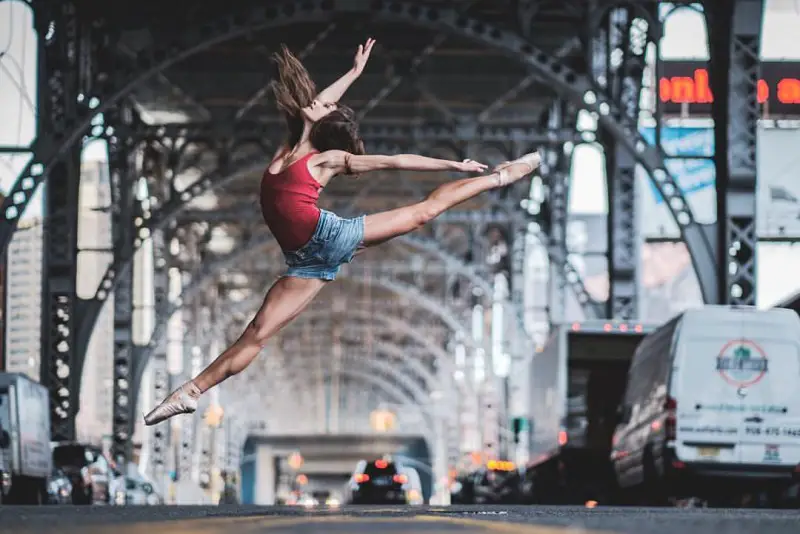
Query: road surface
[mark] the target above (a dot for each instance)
(384, 520)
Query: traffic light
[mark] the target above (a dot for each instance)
(518, 424)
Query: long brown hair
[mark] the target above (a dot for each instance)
(294, 89)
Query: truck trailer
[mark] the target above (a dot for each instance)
(25, 458)
(577, 383)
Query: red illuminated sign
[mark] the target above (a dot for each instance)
(686, 83)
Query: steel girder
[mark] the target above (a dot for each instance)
(734, 32)
(122, 167)
(619, 29)
(578, 88)
(377, 134)
(60, 57)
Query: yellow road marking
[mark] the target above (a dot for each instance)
(271, 523)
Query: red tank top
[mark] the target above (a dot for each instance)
(289, 203)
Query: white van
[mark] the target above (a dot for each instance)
(712, 407)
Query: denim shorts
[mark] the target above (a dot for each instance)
(335, 241)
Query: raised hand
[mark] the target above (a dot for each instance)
(362, 55)
(469, 165)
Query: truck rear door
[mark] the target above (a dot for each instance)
(764, 371)
(737, 396)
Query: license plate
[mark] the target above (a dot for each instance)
(708, 452)
(382, 481)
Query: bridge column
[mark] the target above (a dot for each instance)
(122, 171)
(61, 55)
(159, 434)
(734, 33)
(620, 32)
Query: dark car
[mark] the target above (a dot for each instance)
(87, 470)
(377, 482)
(59, 488)
(497, 483)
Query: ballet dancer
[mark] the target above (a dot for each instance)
(323, 142)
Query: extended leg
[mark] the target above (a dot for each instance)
(381, 227)
(285, 300)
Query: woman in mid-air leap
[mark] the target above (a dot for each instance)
(324, 142)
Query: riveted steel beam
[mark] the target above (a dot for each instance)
(212, 131)
(734, 34)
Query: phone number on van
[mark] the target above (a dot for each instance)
(772, 431)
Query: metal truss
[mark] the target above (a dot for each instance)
(577, 88)
(159, 438)
(618, 63)
(374, 133)
(124, 209)
(735, 44)
(385, 320)
(352, 369)
(60, 54)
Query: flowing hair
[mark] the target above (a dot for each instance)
(294, 89)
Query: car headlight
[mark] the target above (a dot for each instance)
(64, 492)
(332, 502)
(119, 498)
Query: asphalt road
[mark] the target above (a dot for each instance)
(462, 519)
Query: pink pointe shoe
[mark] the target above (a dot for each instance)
(182, 400)
(532, 160)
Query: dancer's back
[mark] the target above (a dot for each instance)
(289, 203)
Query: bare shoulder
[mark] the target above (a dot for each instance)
(328, 159)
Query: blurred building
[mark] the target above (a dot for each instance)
(23, 299)
(94, 243)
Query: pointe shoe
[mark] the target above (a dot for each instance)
(182, 400)
(532, 160)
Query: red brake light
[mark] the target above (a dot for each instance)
(381, 464)
(400, 479)
(360, 478)
(671, 404)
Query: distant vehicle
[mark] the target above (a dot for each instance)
(135, 491)
(88, 470)
(25, 463)
(377, 482)
(59, 488)
(577, 383)
(413, 486)
(712, 407)
(498, 482)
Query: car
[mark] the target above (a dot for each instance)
(59, 488)
(87, 469)
(377, 482)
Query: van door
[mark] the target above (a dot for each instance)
(764, 373)
(737, 396)
(708, 410)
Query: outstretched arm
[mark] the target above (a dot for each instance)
(334, 92)
(341, 162)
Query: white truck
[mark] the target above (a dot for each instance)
(712, 408)
(577, 383)
(25, 458)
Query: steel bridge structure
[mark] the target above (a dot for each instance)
(485, 79)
